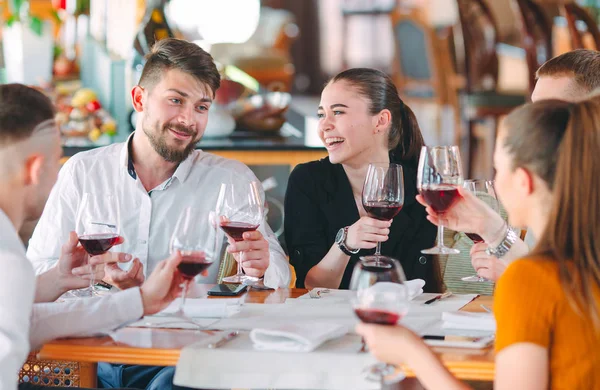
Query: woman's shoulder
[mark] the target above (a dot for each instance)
(317, 170)
(531, 272)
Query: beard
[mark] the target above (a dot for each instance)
(158, 140)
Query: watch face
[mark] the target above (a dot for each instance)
(339, 236)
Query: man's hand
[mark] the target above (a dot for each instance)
(124, 279)
(163, 285)
(487, 266)
(255, 250)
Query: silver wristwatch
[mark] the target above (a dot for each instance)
(340, 240)
(502, 249)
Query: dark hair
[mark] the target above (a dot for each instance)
(582, 64)
(172, 53)
(559, 142)
(405, 139)
(22, 108)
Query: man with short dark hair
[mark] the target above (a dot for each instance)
(30, 150)
(155, 175)
(570, 76)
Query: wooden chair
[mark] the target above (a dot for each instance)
(536, 32)
(53, 373)
(423, 71)
(480, 98)
(577, 17)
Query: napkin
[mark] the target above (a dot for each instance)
(468, 321)
(205, 308)
(298, 337)
(412, 288)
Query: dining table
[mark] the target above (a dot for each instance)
(465, 364)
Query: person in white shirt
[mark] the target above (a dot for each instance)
(571, 77)
(155, 175)
(30, 150)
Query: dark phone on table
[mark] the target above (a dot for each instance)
(227, 290)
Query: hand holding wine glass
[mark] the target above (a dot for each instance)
(381, 298)
(383, 194)
(98, 225)
(240, 211)
(438, 178)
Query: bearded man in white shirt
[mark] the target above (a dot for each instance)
(30, 150)
(155, 175)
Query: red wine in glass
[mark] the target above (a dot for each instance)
(476, 238)
(383, 211)
(192, 264)
(97, 244)
(440, 198)
(236, 230)
(377, 316)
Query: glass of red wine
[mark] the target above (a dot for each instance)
(484, 190)
(98, 228)
(381, 298)
(195, 239)
(240, 209)
(438, 176)
(383, 193)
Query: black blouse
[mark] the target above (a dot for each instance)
(319, 201)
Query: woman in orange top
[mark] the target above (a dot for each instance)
(546, 305)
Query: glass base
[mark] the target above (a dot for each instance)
(241, 279)
(87, 292)
(474, 278)
(384, 373)
(440, 250)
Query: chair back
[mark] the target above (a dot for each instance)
(580, 22)
(536, 32)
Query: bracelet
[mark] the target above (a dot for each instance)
(502, 249)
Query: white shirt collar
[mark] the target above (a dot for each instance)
(181, 173)
(9, 239)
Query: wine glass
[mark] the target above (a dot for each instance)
(484, 190)
(438, 176)
(195, 239)
(383, 193)
(97, 226)
(240, 209)
(381, 298)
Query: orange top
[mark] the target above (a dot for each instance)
(531, 307)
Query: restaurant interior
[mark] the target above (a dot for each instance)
(461, 66)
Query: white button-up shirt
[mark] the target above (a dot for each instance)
(24, 325)
(147, 218)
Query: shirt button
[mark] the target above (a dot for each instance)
(422, 260)
(143, 242)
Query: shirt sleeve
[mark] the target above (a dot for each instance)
(16, 292)
(84, 317)
(57, 220)
(525, 303)
(305, 234)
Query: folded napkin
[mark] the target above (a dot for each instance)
(415, 288)
(298, 337)
(468, 321)
(412, 288)
(205, 308)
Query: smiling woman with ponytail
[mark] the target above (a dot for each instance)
(546, 305)
(362, 120)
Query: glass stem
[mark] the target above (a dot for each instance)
(378, 249)
(440, 236)
(239, 265)
(92, 279)
(183, 294)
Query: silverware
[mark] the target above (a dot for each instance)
(484, 307)
(224, 339)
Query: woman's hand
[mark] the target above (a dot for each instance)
(367, 232)
(468, 214)
(389, 344)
